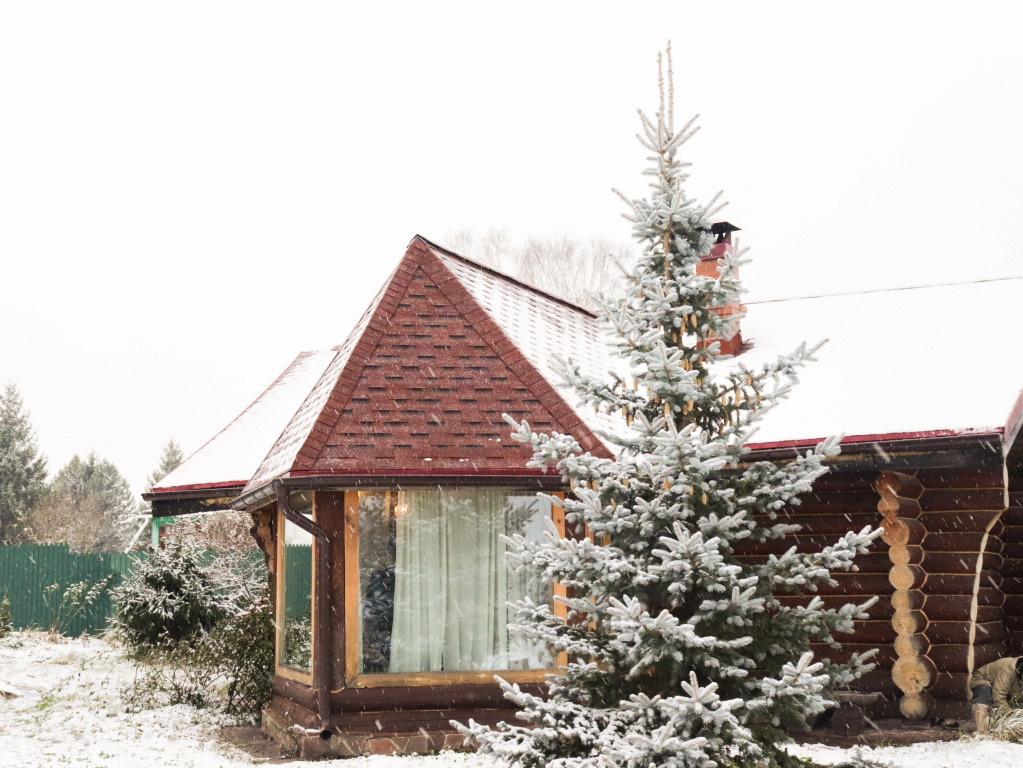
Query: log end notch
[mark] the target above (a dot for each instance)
(913, 672)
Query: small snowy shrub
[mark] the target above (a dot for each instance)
(203, 634)
(170, 675)
(170, 597)
(73, 602)
(230, 667)
(6, 618)
(298, 639)
(242, 648)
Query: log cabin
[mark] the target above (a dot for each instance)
(380, 477)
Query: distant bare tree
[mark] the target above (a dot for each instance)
(493, 247)
(89, 505)
(223, 531)
(566, 266)
(59, 519)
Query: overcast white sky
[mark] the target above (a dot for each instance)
(192, 192)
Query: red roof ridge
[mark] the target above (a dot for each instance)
(424, 255)
(498, 339)
(503, 275)
(420, 255)
(367, 341)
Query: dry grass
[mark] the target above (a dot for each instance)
(1007, 726)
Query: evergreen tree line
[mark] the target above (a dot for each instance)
(88, 503)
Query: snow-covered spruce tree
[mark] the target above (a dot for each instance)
(170, 457)
(170, 597)
(678, 653)
(22, 468)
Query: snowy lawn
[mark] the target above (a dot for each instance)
(967, 753)
(65, 709)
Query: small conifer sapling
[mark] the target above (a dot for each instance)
(6, 617)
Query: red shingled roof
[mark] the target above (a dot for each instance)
(421, 384)
(447, 346)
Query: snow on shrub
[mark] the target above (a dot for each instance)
(229, 667)
(171, 596)
(6, 618)
(201, 633)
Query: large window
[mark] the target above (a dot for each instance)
(434, 580)
(295, 591)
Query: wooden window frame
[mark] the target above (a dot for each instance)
(355, 679)
(281, 670)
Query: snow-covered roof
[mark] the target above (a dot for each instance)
(898, 363)
(420, 384)
(886, 370)
(234, 454)
(283, 452)
(911, 361)
(543, 328)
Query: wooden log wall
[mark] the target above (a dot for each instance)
(1012, 566)
(949, 556)
(961, 512)
(263, 521)
(841, 503)
(938, 569)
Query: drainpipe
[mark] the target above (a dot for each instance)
(321, 638)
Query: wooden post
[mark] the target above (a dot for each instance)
(913, 672)
(262, 532)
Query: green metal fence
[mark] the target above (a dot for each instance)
(27, 571)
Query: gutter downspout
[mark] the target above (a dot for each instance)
(321, 638)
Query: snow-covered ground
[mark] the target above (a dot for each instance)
(60, 704)
(967, 753)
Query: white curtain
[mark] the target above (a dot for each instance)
(453, 583)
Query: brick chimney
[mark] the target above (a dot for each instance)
(710, 266)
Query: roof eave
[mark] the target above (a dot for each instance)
(898, 451)
(260, 495)
(195, 491)
(257, 496)
(193, 502)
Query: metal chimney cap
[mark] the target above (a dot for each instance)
(722, 231)
(723, 228)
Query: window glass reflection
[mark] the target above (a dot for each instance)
(295, 613)
(435, 580)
